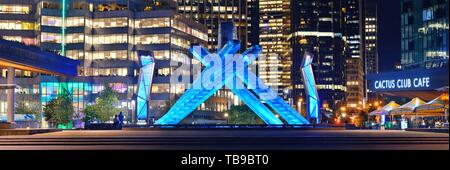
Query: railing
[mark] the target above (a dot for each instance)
(231, 126)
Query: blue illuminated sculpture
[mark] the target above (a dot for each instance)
(312, 98)
(144, 85)
(194, 97)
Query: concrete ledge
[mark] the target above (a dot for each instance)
(231, 129)
(436, 130)
(4, 125)
(9, 132)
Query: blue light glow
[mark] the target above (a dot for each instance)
(245, 95)
(63, 28)
(312, 97)
(144, 86)
(195, 97)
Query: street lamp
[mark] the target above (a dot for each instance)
(226, 116)
(299, 103)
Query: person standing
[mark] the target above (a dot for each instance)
(116, 123)
(121, 118)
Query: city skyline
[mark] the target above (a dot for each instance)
(343, 36)
(237, 76)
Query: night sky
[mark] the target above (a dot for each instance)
(388, 34)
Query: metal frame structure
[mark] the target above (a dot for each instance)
(312, 98)
(194, 97)
(145, 81)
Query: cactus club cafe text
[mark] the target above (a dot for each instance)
(421, 82)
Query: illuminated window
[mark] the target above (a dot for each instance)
(162, 55)
(181, 42)
(16, 25)
(110, 22)
(108, 55)
(152, 39)
(51, 21)
(75, 38)
(161, 88)
(110, 71)
(75, 54)
(74, 21)
(152, 22)
(188, 30)
(111, 7)
(119, 87)
(51, 37)
(199, 34)
(110, 39)
(164, 71)
(178, 88)
(14, 9)
(25, 40)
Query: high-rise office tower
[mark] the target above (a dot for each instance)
(424, 33)
(370, 33)
(317, 27)
(105, 36)
(274, 30)
(212, 12)
(370, 45)
(353, 19)
(360, 35)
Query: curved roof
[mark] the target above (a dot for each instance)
(20, 56)
(409, 107)
(438, 104)
(385, 109)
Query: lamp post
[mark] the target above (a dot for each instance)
(226, 116)
(299, 105)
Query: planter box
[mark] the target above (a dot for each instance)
(78, 124)
(99, 126)
(4, 125)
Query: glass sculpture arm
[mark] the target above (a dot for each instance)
(144, 86)
(312, 96)
(194, 97)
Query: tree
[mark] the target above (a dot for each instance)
(243, 115)
(90, 113)
(59, 110)
(24, 109)
(104, 108)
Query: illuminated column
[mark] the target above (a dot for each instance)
(312, 97)
(63, 27)
(10, 95)
(144, 86)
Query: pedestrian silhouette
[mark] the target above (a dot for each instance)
(121, 117)
(116, 122)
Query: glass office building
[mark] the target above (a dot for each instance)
(212, 12)
(317, 28)
(274, 30)
(105, 35)
(424, 33)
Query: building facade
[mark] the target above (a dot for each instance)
(105, 36)
(360, 36)
(317, 27)
(424, 33)
(213, 12)
(274, 29)
(370, 36)
(354, 36)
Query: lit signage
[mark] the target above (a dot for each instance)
(423, 82)
(408, 80)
